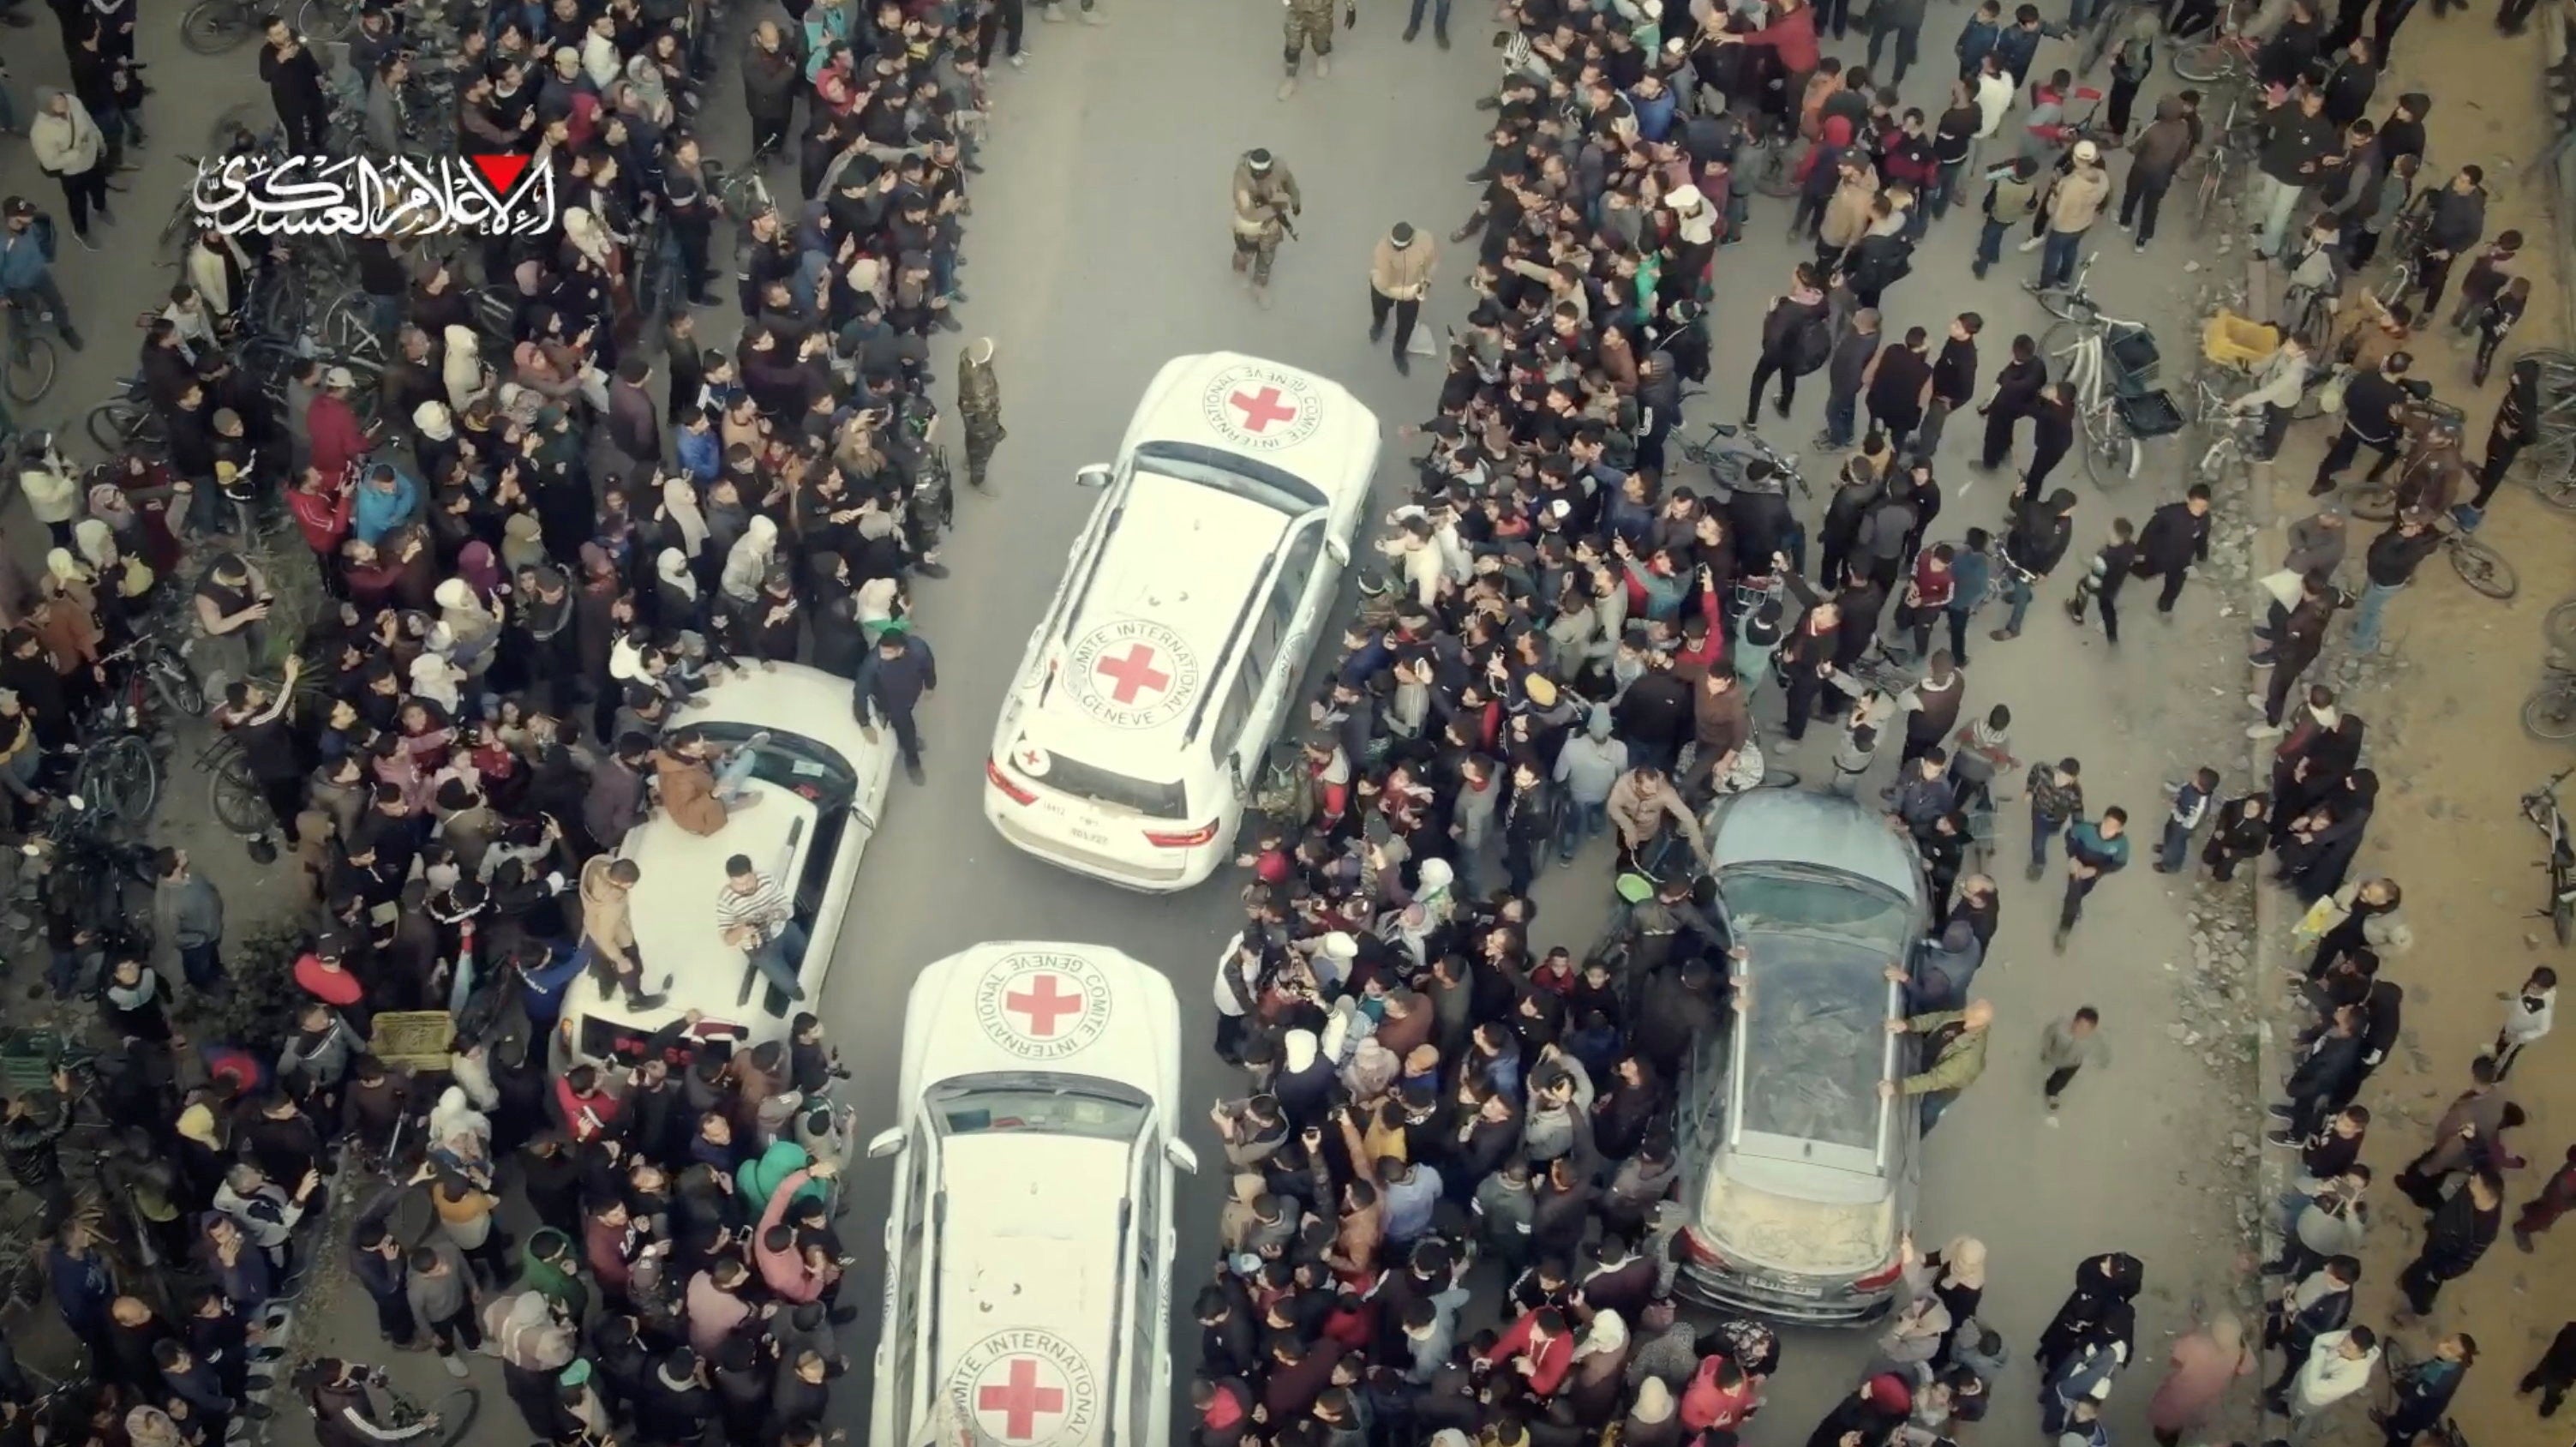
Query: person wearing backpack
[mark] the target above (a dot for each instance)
(1796, 340)
(27, 267)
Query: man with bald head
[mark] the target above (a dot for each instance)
(1957, 1048)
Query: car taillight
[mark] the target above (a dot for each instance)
(993, 774)
(1191, 840)
(1699, 1249)
(1883, 1276)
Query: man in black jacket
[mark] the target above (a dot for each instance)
(2328, 1066)
(295, 85)
(2041, 533)
(2458, 223)
(2297, 138)
(2390, 565)
(896, 677)
(2176, 536)
(2370, 413)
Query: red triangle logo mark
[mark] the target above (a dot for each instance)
(500, 172)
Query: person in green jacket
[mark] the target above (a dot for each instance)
(1958, 1056)
(762, 1174)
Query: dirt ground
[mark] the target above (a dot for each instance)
(2445, 741)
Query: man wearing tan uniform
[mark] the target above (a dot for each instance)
(1399, 278)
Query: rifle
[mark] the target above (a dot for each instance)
(1288, 226)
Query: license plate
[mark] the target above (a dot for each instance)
(1785, 1288)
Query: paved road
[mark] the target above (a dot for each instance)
(1097, 251)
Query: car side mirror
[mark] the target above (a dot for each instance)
(1338, 551)
(887, 1142)
(1179, 1154)
(1094, 477)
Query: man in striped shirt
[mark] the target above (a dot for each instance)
(755, 916)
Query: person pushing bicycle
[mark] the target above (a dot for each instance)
(344, 1413)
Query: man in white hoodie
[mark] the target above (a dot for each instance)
(70, 149)
(2338, 1365)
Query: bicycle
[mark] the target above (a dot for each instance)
(1725, 450)
(33, 359)
(742, 194)
(453, 1410)
(2109, 364)
(2235, 437)
(126, 422)
(232, 791)
(2221, 167)
(2483, 568)
(2226, 60)
(2549, 712)
(218, 27)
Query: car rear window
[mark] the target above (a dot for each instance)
(1815, 1037)
(1104, 786)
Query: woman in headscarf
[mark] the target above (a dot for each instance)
(2204, 1364)
(749, 561)
(472, 621)
(1651, 1421)
(480, 571)
(151, 1427)
(453, 1118)
(1957, 1274)
(2309, 772)
(2104, 1287)
(2324, 841)
(840, 643)
(1600, 1371)
(434, 442)
(462, 368)
(66, 620)
(684, 524)
(677, 603)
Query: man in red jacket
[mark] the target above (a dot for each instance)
(1791, 37)
(1539, 1347)
(321, 506)
(339, 440)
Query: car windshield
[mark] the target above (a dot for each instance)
(1787, 899)
(1241, 476)
(1054, 1104)
(814, 771)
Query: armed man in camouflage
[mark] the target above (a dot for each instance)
(1310, 22)
(979, 407)
(1265, 196)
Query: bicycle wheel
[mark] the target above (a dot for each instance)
(2203, 63)
(2549, 714)
(175, 688)
(327, 19)
(2560, 628)
(2111, 455)
(2549, 470)
(216, 27)
(455, 1409)
(2066, 306)
(117, 425)
(31, 368)
(120, 777)
(2371, 502)
(235, 797)
(2482, 567)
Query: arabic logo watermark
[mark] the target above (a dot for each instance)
(493, 195)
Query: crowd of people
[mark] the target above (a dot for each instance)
(1453, 1215)
(569, 517)
(564, 525)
